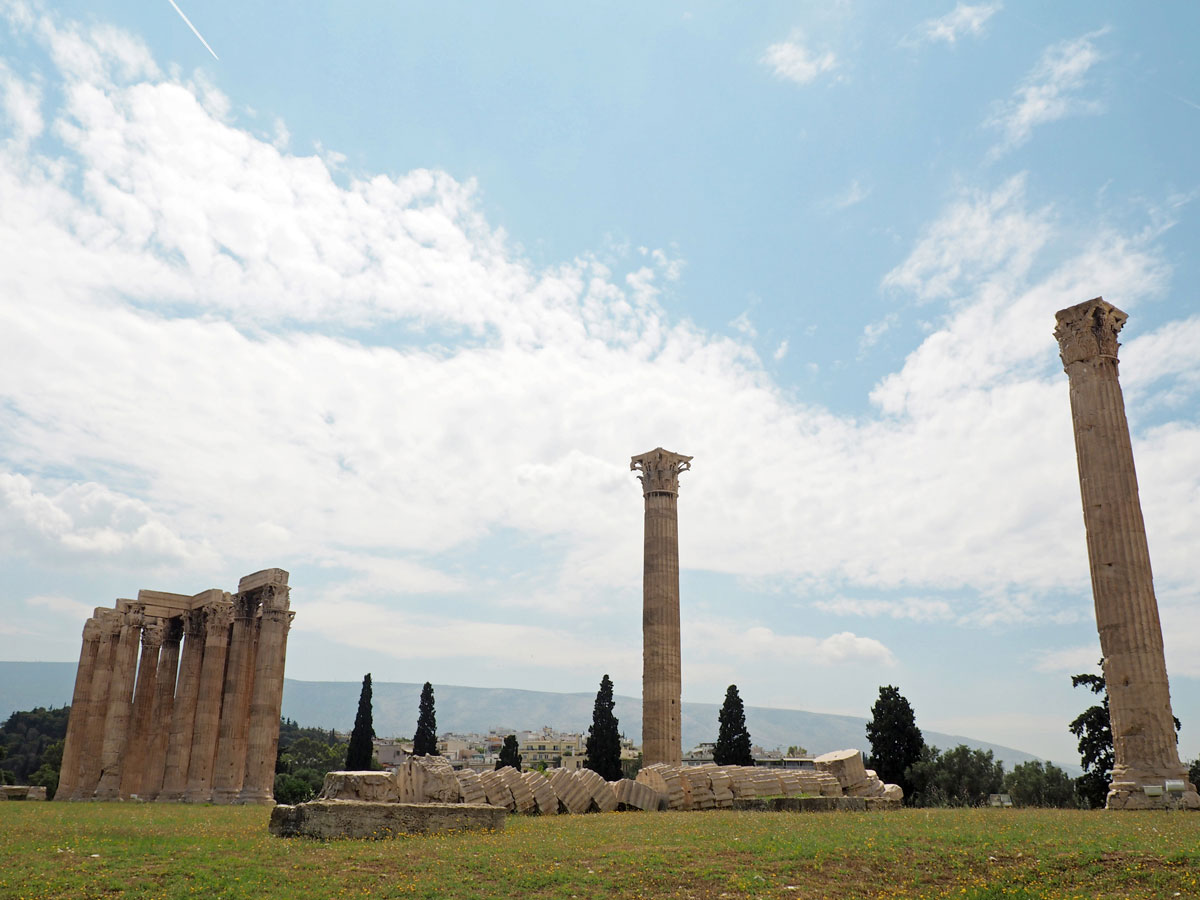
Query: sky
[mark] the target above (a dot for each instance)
(387, 295)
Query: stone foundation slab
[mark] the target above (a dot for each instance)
(333, 819)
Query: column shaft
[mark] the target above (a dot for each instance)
(230, 764)
(93, 743)
(661, 668)
(1127, 619)
(68, 773)
(120, 704)
(160, 713)
(218, 618)
(136, 750)
(258, 783)
(183, 709)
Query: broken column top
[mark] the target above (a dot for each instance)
(660, 470)
(1088, 330)
(259, 579)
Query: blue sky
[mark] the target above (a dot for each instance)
(388, 295)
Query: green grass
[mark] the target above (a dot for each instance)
(51, 850)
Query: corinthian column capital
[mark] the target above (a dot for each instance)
(660, 470)
(153, 632)
(1088, 331)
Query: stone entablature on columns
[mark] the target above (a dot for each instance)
(1122, 584)
(159, 741)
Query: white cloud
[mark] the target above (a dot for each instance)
(65, 606)
(873, 331)
(1071, 660)
(1051, 91)
(792, 61)
(169, 398)
(918, 609)
(964, 19)
(854, 194)
(725, 639)
(781, 351)
(21, 104)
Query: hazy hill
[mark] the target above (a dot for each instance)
(332, 704)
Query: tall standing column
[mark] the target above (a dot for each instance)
(218, 617)
(258, 784)
(68, 773)
(134, 762)
(111, 623)
(183, 709)
(120, 704)
(230, 765)
(661, 678)
(1135, 670)
(160, 712)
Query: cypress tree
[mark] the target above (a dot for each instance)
(604, 739)
(896, 741)
(509, 755)
(425, 740)
(733, 740)
(360, 749)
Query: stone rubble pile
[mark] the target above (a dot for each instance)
(854, 778)
(430, 779)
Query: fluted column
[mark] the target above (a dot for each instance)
(120, 704)
(258, 783)
(217, 621)
(160, 713)
(183, 709)
(230, 764)
(661, 675)
(110, 622)
(134, 762)
(1135, 669)
(68, 773)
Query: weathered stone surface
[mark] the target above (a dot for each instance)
(844, 765)
(661, 676)
(521, 793)
(575, 797)
(497, 791)
(369, 787)
(543, 793)
(893, 792)
(601, 791)
(665, 781)
(332, 819)
(470, 787)
(427, 779)
(1131, 642)
(637, 795)
(698, 789)
(22, 792)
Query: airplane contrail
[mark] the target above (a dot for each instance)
(194, 31)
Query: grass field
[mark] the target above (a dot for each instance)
(51, 850)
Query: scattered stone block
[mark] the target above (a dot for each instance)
(636, 795)
(543, 793)
(575, 797)
(332, 819)
(371, 787)
(522, 795)
(844, 765)
(600, 790)
(470, 787)
(498, 793)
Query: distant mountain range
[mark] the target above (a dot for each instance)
(332, 704)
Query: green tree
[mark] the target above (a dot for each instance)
(1093, 730)
(795, 750)
(47, 773)
(1194, 772)
(509, 755)
(1034, 784)
(26, 735)
(733, 740)
(896, 741)
(603, 745)
(958, 777)
(361, 747)
(425, 740)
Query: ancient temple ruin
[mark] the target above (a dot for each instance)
(196, 718)
(1147, 772)
(661, 678)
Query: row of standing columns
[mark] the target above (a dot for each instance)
(196, 717)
